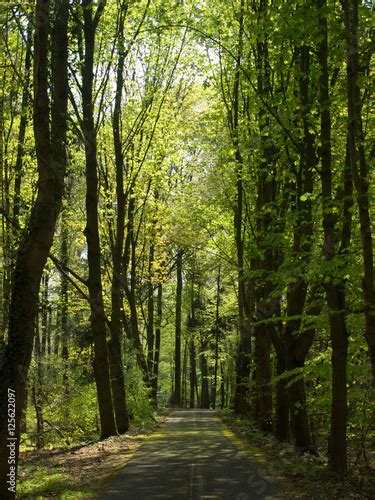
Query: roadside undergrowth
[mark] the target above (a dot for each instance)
(301, 475)
(80, 471)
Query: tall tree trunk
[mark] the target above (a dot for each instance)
(298, 344)
(222, 387)
(193, 372)
(159, 309)
(217, 339)
(205, 393)
(44, 313)
(281, 399)
(64, 327)
(184, 376)
(360, 170)
(177, 348)
(150, 311)
(335, 291)
(263, 379)
(97, 317)
(268, 258)
(23, 124)
(297, 348)
(33, 251)
(37, 391)
(3, 306)
(129, 284)
(115, 345)
(241, 403)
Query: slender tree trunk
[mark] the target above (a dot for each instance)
(177, 356)
(36, 391)
(360, 170)
(129, 282)
(64, 327)
(263, 379)
(282, 399)
(193, 373)
(217, 339)
(3, 307)
(297, 345)
(150, 311)
(222, 387)
(205, 393)
(241, 403)
(115, 345)
(23, 124)
(268, 259)
(159, 307)
(184, 376)
(33, 251)
(97, 317)
(44, 311)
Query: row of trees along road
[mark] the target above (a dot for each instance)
(187, 218)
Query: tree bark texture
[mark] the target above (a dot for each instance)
(35, 246)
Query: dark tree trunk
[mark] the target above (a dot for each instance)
(159, 309)
(297, 348)
(177, 351)
(115, 345)
(205, 393)
(263, 379)
(267, 260)
(150, 311)
(360, 170)
(23, 124)
(193, 373)
(97, 317)
(334, 288)
(33, 251)
(282, 399)
(44, 313)
(184, 376)
(64, 327)
(241, 400)
(129, 283)
(217, 339)
(37, 392)
(222, 387)
(297, 345)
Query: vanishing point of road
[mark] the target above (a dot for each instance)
(193, 456)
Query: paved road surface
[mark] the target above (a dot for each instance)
(191, 457)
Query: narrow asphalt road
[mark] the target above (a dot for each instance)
(192, 457)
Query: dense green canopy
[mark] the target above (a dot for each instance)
(187, 218)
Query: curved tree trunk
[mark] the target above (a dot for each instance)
(97, 317)
(33, 251)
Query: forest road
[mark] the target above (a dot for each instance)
(193, 456)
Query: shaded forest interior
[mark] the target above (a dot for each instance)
(187, 219)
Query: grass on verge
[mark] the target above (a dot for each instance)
(77, 472)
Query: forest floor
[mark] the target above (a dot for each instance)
(304, 476)
(80, 471)
(230, 461)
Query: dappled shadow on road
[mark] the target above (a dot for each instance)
(191, 457)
